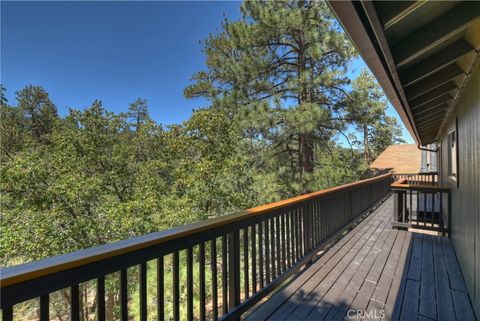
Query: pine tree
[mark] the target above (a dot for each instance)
(3, 96)
(138, 113)
(282, 70)
(368, 107)
(38, 111)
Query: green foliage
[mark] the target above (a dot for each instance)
(280, 99)
(367, 109)
(138, 113)
(281, 71)
(38, 112)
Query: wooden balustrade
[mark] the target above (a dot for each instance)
(247, 254)
(421, 205)
(430, 178)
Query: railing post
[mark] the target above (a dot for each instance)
(310, 224)
(233, 269)
(449, 214)
(306, 228)
(397, 206)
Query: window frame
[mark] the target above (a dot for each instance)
(452, 154)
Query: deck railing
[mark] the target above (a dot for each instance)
(418, 178)
(421, 205)
(247, 255)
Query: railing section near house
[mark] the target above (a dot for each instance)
(231, 262)
(421, 205)
(418, 178)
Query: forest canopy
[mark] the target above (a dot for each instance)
(284, 119)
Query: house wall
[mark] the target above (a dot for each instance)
(466, 197)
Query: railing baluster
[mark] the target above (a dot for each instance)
(175, 286)
(143, 291)
(300, 233)
(201, 280)
(418, 203)
(45, 308)
(254, 259)
(314, 225)
(305, 227)
(213, 264)
(425, 209)
(160, 290)
(267, 253)
(314, 221)
(319, 223)
(293, 238)
(449, 213)
(272, 248)
(123, 295)
(261, 254)
(245, 263)
(101, 298)
(224, 275)
(441, 222)
(190, 284)
(74, 303)
(282, 231)
(432, 220)
(411, 208)
(287, 234)
(7, 314)
(322, 221)
(278, 250)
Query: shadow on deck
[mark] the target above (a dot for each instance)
(376, 273)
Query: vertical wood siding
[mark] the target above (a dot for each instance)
(466, 198)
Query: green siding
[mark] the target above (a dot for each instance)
(466, 198)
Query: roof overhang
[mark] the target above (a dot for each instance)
(421, 52)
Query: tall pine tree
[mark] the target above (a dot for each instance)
(368, 107)
(38, 111)
(281, 69)
(138, 113)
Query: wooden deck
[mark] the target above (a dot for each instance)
(376, 273)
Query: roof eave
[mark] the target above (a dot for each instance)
(369, 50)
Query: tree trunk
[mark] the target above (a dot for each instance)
(306, 153)
(366, 147)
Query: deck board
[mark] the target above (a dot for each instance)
(316, 274)
(384, 273)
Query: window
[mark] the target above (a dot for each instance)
(452, 155)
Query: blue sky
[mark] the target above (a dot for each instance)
(112, 51)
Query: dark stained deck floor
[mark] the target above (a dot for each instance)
(383, 273)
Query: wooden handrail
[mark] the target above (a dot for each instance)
(402, 183)
(399, 182)
(415, 173)
(16, 274)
